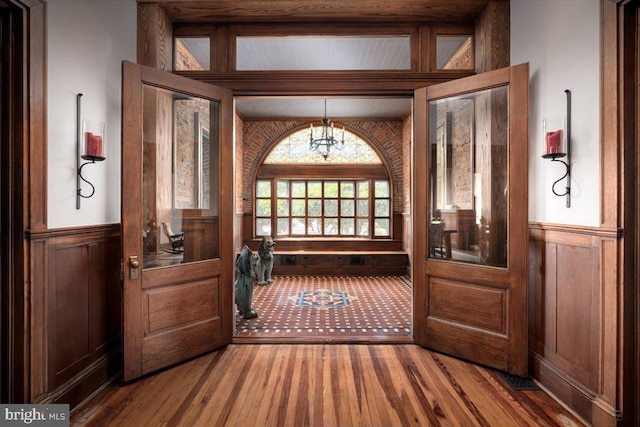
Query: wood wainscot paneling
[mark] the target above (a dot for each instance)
(407, 240)
(573, 312)
(76, 312)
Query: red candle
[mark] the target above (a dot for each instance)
(553, 141)
(93, 145)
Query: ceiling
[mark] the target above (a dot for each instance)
(322, 10)
(306, 107)
(332, 53)
(326, 53)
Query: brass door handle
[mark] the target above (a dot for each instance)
(133, 267)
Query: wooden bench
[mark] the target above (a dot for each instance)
(343, 263)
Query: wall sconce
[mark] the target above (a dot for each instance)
(89, 146)
(557, 144)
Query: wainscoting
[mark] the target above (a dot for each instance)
(573, 316)
(75, 312)
(357, 263)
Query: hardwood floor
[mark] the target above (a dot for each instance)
(322, 385)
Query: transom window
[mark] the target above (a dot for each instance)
(361, 52)
(295, 149)
(323, 207)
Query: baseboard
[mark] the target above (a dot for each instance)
(86, 383)
(584, 402)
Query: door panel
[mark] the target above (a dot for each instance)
(177, 207)
(470, 189)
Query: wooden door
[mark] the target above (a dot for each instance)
(471, 229)
(177, 206)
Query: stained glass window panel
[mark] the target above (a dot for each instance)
(295, 149)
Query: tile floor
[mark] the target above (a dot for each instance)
(314, 306)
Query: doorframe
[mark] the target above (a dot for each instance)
(26, 207)
(620, 161)
(629, 204)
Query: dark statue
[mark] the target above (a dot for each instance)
(265, 251)
(247, 267)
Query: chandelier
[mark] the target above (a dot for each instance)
(325, 142)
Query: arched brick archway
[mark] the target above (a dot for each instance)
(261, 136)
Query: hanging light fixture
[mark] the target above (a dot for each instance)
(326, 141)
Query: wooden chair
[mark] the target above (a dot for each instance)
(436, 239)
(176, 239)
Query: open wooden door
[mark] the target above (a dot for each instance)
(177, 207)
(471, 218)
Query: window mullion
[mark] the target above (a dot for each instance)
(372, 206)
(274, 207)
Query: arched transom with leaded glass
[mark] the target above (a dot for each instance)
(295, 149)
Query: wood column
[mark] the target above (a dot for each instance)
(493, 36)
(154, 47)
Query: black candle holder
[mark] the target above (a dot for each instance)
(89, 146)
(554, 150)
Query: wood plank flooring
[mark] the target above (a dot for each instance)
(322, 385)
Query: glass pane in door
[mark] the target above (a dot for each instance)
(180, 178)
(468, 147)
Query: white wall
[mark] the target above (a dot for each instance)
(560, 40)
(87, 41)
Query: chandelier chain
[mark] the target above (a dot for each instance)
(326, 142)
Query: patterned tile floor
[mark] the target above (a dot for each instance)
(314, 306)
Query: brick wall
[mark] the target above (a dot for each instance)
(184, 60)
(407, 136)
(239, 136)
(460, 156)
(384, 135)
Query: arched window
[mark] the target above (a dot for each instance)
(299, 193)
(295, 149)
